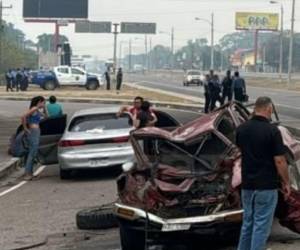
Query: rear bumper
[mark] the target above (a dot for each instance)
(135, 218)
(85, 160)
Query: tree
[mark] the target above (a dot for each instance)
(15, 53)
(46, 42)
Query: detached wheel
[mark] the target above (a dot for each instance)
(65, 174)
(92, 85)
(50, 85)
(96, 218)
(131, 239)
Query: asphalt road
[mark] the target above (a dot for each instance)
(43, 211)
(287, 102)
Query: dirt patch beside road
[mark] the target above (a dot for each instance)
(128, 93)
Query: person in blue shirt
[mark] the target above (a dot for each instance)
(54, 109)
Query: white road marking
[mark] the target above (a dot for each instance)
(22, 183)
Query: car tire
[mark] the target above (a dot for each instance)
(65, 174)
(49, 85)
(96, 218)
(92, 85)
(131, 239)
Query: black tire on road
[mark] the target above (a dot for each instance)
(131, 239)
(96, 218)
(50, 85)
(92, 85)
(65, 174)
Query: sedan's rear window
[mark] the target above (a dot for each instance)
(99, 122)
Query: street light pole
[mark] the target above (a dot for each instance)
(281, 38)
(291, 44)
(212, 63)
(212, 26)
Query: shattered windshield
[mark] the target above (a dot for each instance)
(200, 157)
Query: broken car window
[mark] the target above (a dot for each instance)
(201, 157)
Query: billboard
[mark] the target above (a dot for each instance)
(93, 27)
(46, 9)
(257, 21)
(138, 28)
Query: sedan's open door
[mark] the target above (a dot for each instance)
(52, 130)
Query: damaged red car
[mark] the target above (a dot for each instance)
(187, 180)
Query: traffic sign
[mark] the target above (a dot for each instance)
(138, 28)
(92, 27)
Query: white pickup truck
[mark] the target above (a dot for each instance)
(67, 76)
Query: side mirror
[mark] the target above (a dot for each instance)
(126, 167)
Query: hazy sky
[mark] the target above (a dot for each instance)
(166, 13)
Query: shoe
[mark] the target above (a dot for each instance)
(28, 177)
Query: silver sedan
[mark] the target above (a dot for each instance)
(95, 138)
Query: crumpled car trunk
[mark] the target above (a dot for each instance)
(182, 179)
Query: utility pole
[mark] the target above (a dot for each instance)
(115, 46)
(172, 47)
(146, 52)
(1, 31)
(281, 44)
(151, 52)
(130, 55)
(212, 63)
(291, 44)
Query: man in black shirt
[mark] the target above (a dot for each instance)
(264, 170)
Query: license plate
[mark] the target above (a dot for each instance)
(175, 227)
(98, 162)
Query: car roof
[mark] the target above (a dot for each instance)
(94, 111)
(182, 116)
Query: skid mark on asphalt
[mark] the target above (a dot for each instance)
(22, 183)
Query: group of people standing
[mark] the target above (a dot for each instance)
(17, 79)
(223, 91)
(119, 78)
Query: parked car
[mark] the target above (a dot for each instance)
(66, 76)
(95, 138)
(193, 77)
(186, 181)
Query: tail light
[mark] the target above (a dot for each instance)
(71, 143)
(120, 139)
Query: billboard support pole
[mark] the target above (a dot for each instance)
(56, 37)
(255, 48)
(115, 46)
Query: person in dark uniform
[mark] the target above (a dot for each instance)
(119, 79)
(107, 79)
(19, 78)
(215, 91)
(227, 87)
(239, 87)
(9, 81)
(206, 94)
(25, 80)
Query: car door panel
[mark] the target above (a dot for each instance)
(52, 130)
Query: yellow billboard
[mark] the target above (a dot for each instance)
(256, 21)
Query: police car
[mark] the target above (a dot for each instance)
(66, 76)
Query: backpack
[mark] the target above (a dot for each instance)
(18, 144)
